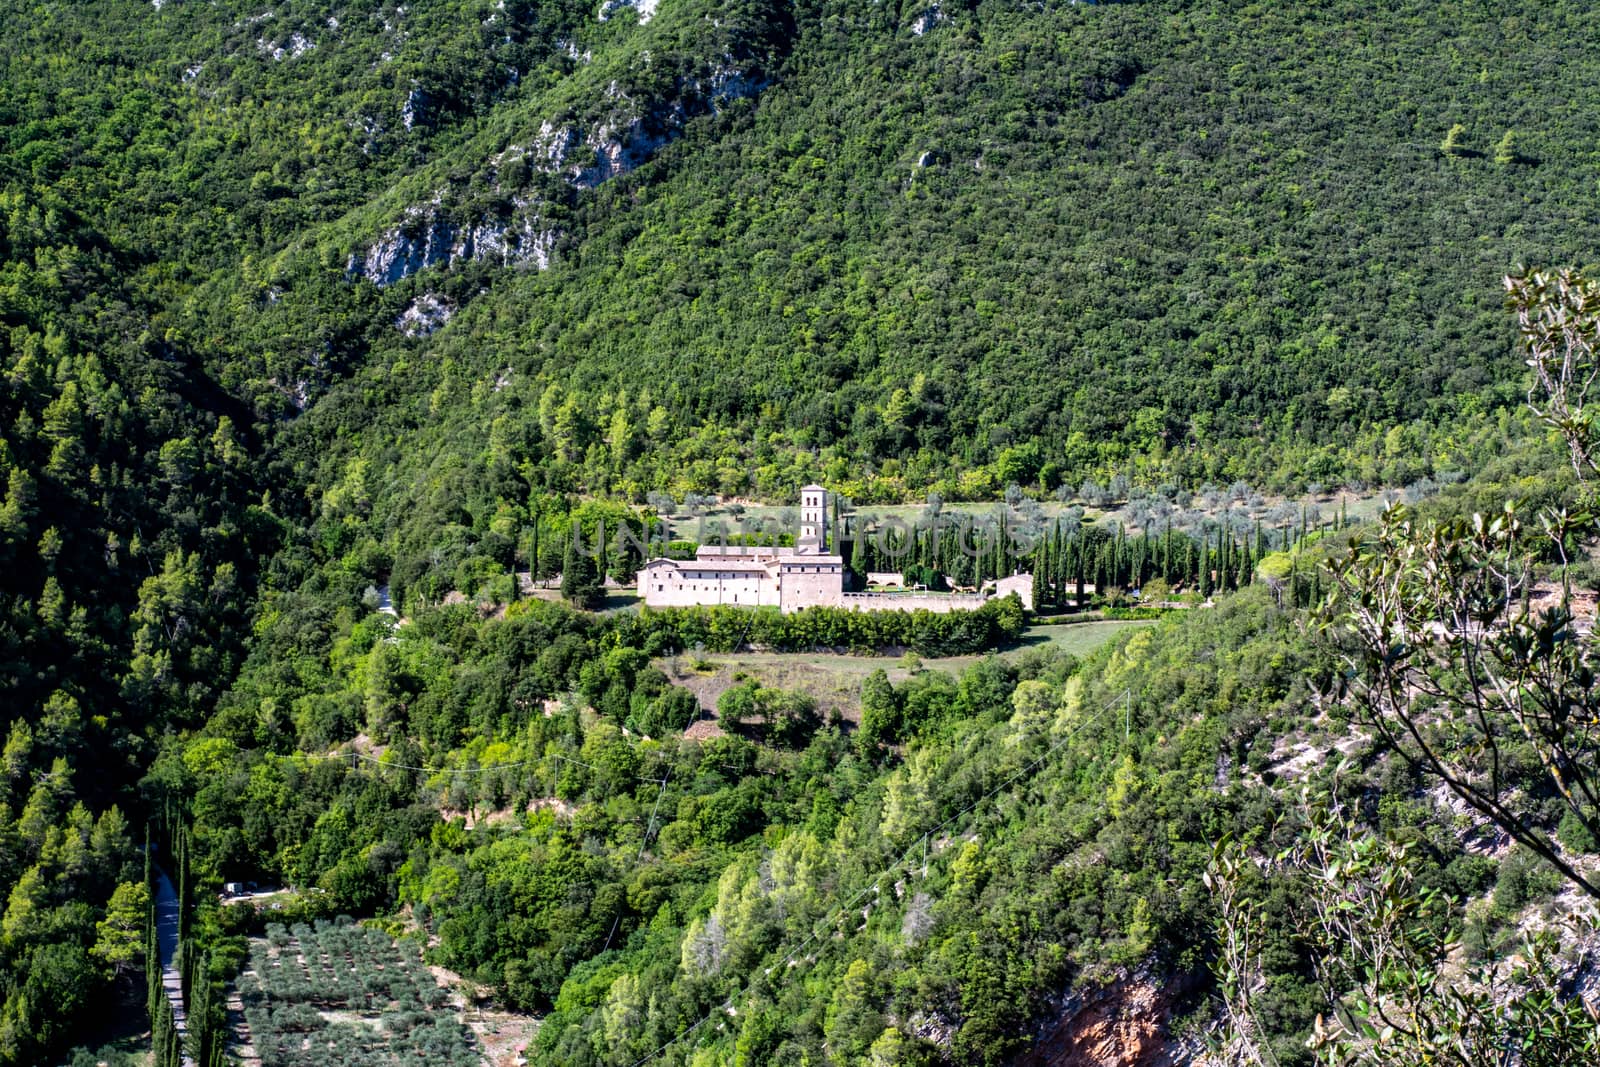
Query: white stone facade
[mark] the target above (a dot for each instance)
(1020, 584)
(791, 579)
(751, 575)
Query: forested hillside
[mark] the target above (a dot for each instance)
(963, 247)
(307, 303)
(130, 533)
(984, 860)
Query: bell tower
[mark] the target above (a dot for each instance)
(813, 539)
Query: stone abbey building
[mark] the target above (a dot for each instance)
(804, 576)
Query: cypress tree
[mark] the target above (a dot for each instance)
(1002, 547)
(152, 967)
(1220, 563)
(181, 840)
(580, 580)
(533, 550)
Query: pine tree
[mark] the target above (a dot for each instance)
(1506, 151)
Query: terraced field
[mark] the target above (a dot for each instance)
(346, 994)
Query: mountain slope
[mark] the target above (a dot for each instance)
(1021, 246)
(697, 246)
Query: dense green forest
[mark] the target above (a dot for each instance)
(303, 305)
(915, 888)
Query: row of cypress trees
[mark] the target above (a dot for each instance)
(1069, 559)
(1068, 563)
(202, 989)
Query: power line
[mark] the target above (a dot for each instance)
(644, 843)
(381, 762)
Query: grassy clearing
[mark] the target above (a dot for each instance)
(834, 681)
(1075, 638)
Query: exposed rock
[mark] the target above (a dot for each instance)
(584, 148)
(423, 240)
(570, 48)
(645, 9)
(1476, 833)
(298, 45)
(426, 313)
(932, 1027)
(615, 145)
(1292, 760)
(931, 16)
(617, 151)
(728, 83)
(298, 392)
(627, 137)
(427, 238)
(1123, 1024)
(415, 109)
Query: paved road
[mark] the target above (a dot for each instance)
(167, 942)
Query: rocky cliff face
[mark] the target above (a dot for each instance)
(623, 130)
(429, 238)
(1123, 1024)
(645, 9)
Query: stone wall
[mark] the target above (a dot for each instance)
(942, 603)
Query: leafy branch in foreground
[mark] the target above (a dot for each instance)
(1557, 315)
(1455, 671)
(1457, 668)
(1450, 661)
(1384, 956)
